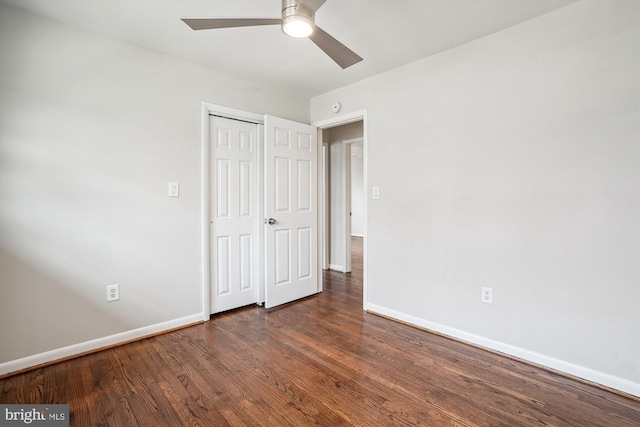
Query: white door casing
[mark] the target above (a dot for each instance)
(346, 201)
(325, 206)
(291, 201)
(346, 204)
(234, 213)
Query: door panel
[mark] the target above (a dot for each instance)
(234, 213)
(304, 186)
(282, 247)
(304, 253)
(246, 249)
(291, 180)
(281, 185)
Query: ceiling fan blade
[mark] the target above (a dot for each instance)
(311, 6)
(213, 23)
(341, 54)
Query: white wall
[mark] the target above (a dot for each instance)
(525, 149)
(357, 190)
(91, 132)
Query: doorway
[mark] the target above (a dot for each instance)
(340, 136)
(340, 141)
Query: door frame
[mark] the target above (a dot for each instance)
(205, 196)
(324, 210)
(356, 116)
(346, 198)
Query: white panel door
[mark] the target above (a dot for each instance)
(234, 213)
(291, 207)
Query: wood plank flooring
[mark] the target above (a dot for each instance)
(319, 361)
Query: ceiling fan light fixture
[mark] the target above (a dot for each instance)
(298, 20)
(297, 26)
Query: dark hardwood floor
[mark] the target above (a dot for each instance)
(319, 361)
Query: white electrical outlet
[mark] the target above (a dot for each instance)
(113, 293)
(487, 295)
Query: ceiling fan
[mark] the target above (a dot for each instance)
(297, 21)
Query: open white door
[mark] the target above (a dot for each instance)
(291, 211)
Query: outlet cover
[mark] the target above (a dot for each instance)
(487, 295)
(113, 293)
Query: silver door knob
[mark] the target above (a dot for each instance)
(271, 221)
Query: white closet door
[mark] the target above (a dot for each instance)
(234, 213)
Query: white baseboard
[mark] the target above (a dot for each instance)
(336, 267)
(602, 378)
(87, 346)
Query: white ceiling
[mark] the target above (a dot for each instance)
(386, 33)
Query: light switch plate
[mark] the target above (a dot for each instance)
(174, 189)
(375, 193)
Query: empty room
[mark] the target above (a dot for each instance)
(320, 212)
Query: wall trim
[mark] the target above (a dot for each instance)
(336, 267)
(581, 372)
(75, 350)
